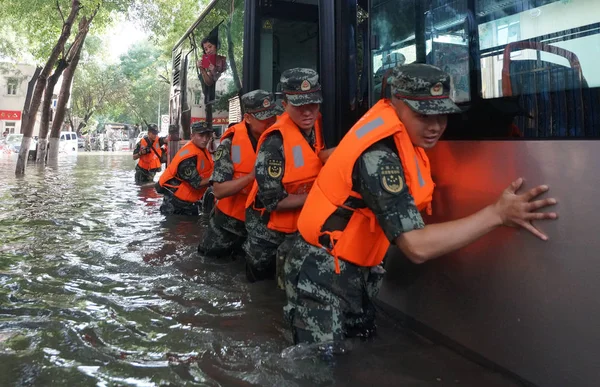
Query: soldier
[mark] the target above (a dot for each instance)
(186, 178)
(290, 155)
(233, 174)
(148, 152)
(369, 195)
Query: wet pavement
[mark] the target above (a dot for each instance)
(98, 288)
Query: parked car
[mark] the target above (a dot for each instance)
(140, 136)
(68, 142)
(121, 142)
(12, 144)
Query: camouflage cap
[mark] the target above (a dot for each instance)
(201, 127)
(301, 86)
(153, 128)
(260, 103)
(424, 88)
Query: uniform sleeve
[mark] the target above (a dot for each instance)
(187, 171)
(163, 141)
(269, 170)
(223, 169)
(379, 177)
(137, 148)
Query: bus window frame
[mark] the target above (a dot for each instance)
(476, 54)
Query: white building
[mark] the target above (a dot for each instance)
(14, 79)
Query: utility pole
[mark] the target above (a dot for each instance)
(158, 113)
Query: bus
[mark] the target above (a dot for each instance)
(524, 74)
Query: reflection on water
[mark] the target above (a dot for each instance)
(98, 288)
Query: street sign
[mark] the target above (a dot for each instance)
(164, 123)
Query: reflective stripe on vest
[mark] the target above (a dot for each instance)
(362, 241)
(236, 154)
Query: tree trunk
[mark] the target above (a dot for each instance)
(30, 86)
(65, 89)
(53, 146)
(27, 129)
(52, 81)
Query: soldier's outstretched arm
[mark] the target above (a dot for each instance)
(511, 209)
(324, 154)
(291, 202)
(232, 187)
(224, 185)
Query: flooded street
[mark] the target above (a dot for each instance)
(98, 288)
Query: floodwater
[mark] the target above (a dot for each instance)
(97, 288)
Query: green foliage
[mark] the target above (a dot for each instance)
(166, 20)
(41, 21)
(128, 91)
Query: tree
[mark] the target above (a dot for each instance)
(40, 85)
(65, 90)
(96, 89)
(141, 67)
(48, 94)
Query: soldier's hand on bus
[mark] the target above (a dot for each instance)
(518, 210)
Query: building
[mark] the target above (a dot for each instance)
(14, 79)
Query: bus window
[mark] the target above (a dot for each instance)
(544, 53)
(393, 25)
(447, 45)
(559, 24)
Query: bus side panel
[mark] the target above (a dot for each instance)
(529, 306)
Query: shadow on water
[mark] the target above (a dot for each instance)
(98, 288)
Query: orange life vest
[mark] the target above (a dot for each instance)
(150, 160)
(243, 157)
(362, 241)
(204, 165)
(302, 165)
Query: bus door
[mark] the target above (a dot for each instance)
(288, 37)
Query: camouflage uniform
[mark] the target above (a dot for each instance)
(262, 243)
(300, 86)
(225, 234)
(187, 171)
(143, 175)
(323, 306)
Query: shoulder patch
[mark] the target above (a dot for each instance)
(274, 168)
(218, 153)
(188, 171)
(391, 179)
